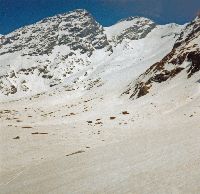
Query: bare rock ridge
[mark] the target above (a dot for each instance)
(185, 56)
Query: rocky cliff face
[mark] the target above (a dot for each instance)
(185, 56)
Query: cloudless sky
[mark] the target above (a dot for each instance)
(17, 13)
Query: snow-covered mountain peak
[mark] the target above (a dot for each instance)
(76, 29)
(71, 14)
(134, 19)
(77, 12)
(73, 51)
(132, 28)
(53, 49)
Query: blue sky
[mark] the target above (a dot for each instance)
(17, 13)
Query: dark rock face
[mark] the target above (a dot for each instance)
(13, 89)
(184, 50)
(194, 58)
(144, 89)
